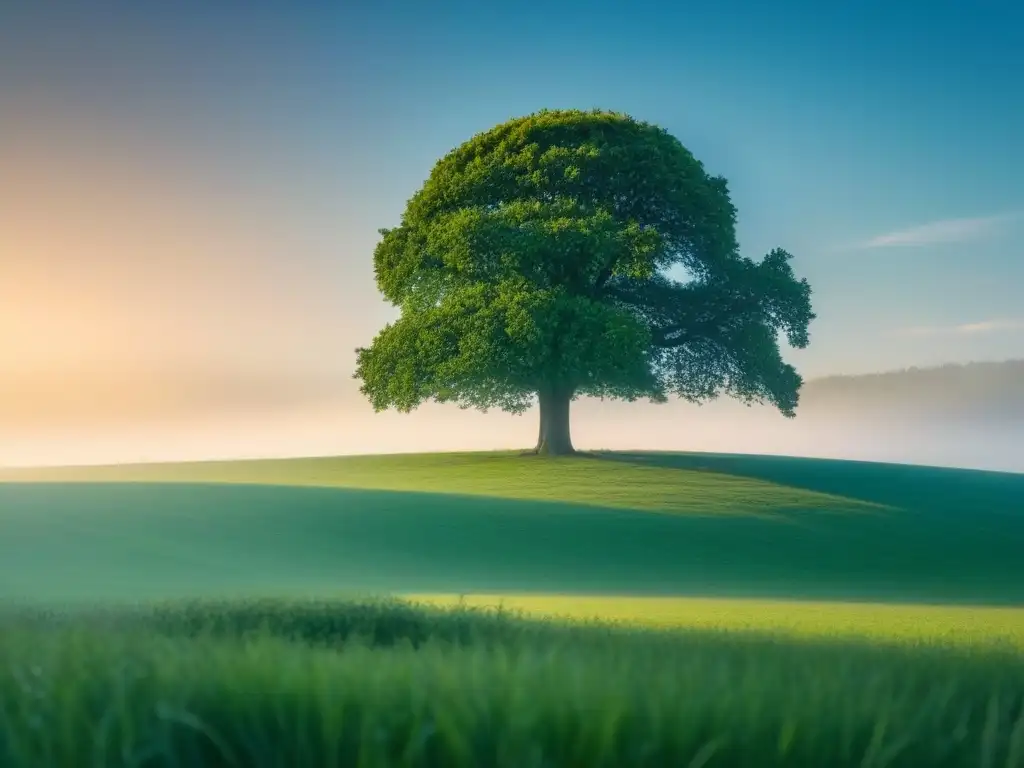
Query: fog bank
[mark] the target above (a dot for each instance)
(958, 416)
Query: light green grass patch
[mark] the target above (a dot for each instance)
(905, 624)
(391, 685)
(603, 482)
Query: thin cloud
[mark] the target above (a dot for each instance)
(939, 232)
(965, 329)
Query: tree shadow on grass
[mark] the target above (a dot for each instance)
(934, 490)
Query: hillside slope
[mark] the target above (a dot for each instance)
(656, 524)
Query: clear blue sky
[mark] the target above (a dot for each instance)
(880, 142)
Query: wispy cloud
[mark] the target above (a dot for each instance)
(940, 232)
(965, 329)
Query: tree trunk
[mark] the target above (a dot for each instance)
(553, 438)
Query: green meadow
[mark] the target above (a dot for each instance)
(503, 610)
(615, 524)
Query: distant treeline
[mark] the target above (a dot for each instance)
(977, 392)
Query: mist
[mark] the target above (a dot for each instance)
(957, 416)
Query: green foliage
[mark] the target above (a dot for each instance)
(546, 253)
(347, 685)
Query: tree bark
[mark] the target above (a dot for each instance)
(553, 437)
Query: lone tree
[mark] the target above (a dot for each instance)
(569, 254)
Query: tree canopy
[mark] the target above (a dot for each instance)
(571, 253)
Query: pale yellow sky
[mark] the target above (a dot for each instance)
(136, 285)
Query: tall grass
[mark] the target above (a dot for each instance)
(387, 684)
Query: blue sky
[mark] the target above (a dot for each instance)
(880, 142)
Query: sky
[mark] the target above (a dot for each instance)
(190, 195)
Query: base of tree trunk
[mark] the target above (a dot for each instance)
(551, 451)
(539, 452)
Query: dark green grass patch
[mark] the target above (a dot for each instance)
(144, 540)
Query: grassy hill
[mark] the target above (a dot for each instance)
(626, 481)
(696, 543)
(636, 524)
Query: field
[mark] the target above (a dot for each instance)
(770, 611)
